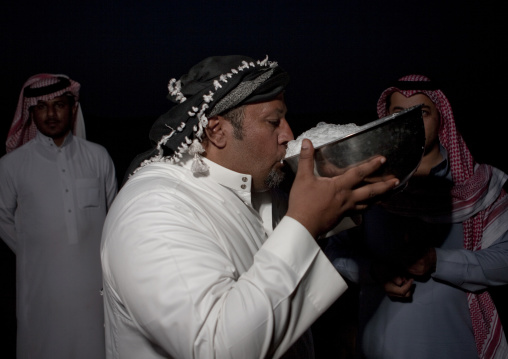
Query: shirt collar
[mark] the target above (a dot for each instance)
(48, 141)
(239, 183)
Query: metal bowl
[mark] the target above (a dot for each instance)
(399, 137)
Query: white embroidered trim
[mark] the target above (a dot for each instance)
(175, 90)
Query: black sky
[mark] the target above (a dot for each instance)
(340, 54)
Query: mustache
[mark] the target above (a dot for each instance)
(284, 155)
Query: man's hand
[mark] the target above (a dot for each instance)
(399, 287)
(402, 287)
(425, 265)
(319, 203)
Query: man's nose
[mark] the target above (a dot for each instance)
(286, 134)
(51, 111)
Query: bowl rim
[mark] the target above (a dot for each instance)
(365, 127)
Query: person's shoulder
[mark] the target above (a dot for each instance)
(162, 177)
(12, 162)
(18, 154)
(88, 143)
(91, 146)
(161, 171)
(159, 179)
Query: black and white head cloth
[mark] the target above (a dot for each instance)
(213, 86)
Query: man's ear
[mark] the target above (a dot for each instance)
(215, 131)
(74, 113)
(75, 109)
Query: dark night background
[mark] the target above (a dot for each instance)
(340, 55)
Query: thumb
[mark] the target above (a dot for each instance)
(306, 160)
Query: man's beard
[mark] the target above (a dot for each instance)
(274, 178)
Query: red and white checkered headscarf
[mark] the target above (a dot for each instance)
(41, 87)
(478, 200)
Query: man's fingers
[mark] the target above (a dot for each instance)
(400, 289)
(369, 191)
(358, 174)
(361, 172)
(406, 288)
(306, 160)
(398, 281)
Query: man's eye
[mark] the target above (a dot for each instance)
(274, 123)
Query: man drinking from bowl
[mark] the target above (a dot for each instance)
(201, 257)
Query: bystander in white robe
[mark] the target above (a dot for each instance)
(53, 201)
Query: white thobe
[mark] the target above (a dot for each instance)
(190, 271)
(53, 201)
